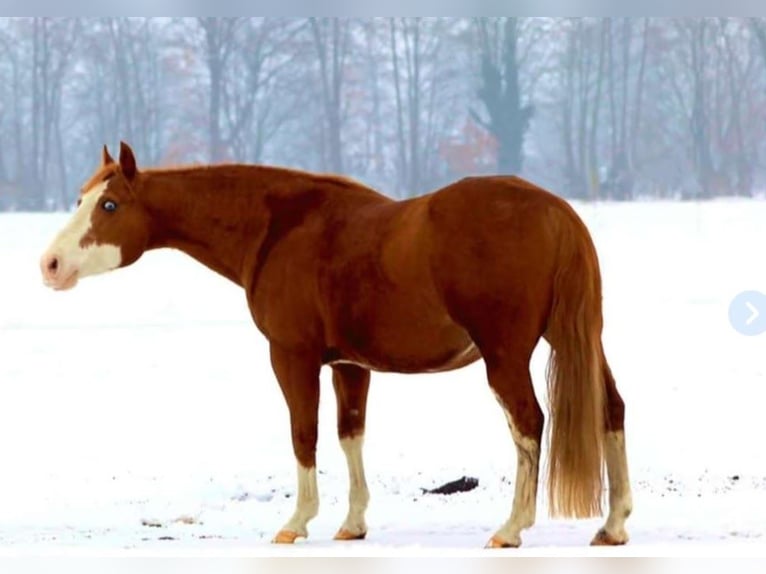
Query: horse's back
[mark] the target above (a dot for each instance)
(489, 200)
(497, 222)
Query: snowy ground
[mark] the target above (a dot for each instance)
(146, 396)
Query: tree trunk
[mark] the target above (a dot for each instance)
(508, 119)
(330, 42)
(402, 146)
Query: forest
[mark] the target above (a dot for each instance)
(592, 108)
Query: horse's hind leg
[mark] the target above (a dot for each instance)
(509, 378)
(351, 384)
(620, 498)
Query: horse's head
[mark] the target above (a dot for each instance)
(109, 229)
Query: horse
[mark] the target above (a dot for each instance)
(337, 274)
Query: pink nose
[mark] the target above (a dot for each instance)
(50, 265)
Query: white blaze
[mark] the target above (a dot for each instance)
(90, 260)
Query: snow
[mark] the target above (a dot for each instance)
(139, 413)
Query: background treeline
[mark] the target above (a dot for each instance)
(593, 108)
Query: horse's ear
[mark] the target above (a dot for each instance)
(106, 159)
(127, 161)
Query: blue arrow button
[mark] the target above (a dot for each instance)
(747, 313)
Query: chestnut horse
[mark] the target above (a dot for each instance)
(337, 274)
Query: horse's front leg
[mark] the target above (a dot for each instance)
(298, 376)
(351, 384)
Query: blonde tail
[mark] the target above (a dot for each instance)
(575, 383)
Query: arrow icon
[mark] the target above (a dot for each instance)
(753, 313)
(747, 313)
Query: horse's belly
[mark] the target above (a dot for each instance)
(413, 349)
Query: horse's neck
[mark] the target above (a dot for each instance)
(210, 215)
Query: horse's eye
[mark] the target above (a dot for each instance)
(79, 202)
(109, 205)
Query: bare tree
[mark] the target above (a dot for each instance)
(251, 105)
(220, 42)
(625, 107)
(420, 73)
(332, 40)
(702, 158)
(618, 180)
(583, 69)
(500, 92)
(53, 43)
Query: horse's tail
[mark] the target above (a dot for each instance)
(575, 380)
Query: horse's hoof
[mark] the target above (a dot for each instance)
(497, 542)
(286, 537)
(603, 538)
(344, 534)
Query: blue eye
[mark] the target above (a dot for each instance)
(109, 205)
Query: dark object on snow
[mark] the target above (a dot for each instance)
(460, 485)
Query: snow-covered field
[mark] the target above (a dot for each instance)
(146, 396)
